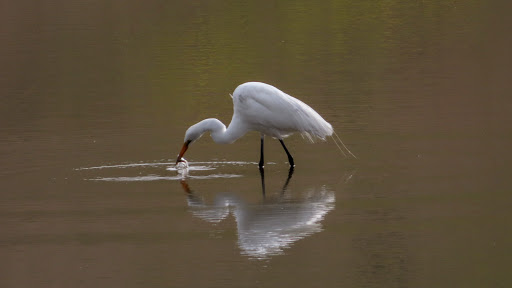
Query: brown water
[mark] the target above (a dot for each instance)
(96, 97)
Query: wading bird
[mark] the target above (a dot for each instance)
(264, 108)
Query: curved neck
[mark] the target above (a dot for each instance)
(218, 131)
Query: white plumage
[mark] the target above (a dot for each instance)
(264, 108)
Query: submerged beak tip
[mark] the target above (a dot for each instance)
(183, 150)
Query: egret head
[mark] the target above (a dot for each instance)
(193, 133)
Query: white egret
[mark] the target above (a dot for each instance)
(264, 108)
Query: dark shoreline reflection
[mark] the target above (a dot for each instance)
(267, 228)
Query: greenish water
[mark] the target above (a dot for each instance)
(96, 98)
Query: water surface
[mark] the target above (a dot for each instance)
(95, 99)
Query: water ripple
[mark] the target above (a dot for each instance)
(157, 174)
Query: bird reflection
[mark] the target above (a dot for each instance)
(268, 227)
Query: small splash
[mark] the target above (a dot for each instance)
(190, 168)
(182, 165)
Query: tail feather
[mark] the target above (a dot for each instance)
(344, 154)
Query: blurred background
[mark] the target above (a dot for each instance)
(95, 98)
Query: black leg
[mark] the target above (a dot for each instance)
(290, 158)
(262, 174)
(261, 164)
(290, 174)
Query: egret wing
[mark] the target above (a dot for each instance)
(269, 110)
